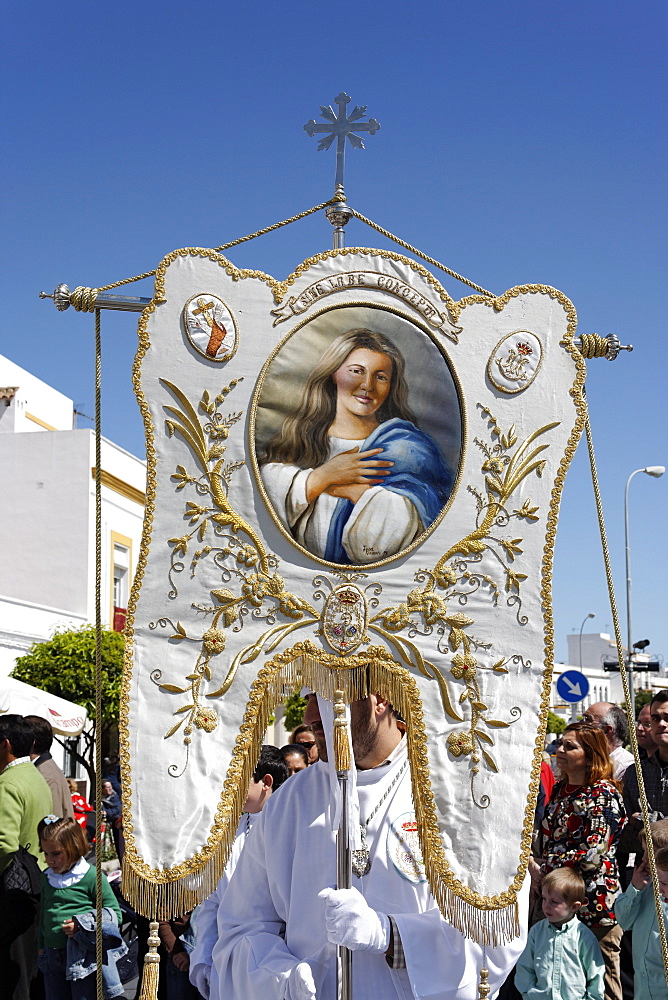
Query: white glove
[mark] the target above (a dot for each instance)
(352, 923)
(300, 984)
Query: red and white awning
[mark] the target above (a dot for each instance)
(66, 718)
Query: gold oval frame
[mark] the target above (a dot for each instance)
(229, 354)
(522, 388)
(255, 467)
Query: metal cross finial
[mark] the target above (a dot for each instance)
(341, 125)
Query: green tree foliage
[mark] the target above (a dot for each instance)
(65, 666)
(642, 697)
(294, 711)
(555, 724)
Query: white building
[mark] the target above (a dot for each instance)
(47, 527)
(597, 648)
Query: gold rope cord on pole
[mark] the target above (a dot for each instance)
(423, 256)
(83, 298)
(98, 656)
(627, 697)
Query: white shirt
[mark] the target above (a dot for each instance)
(271, 917)
(204, 919)
(621, 759)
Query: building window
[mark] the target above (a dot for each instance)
(121, 582)
(71, 763)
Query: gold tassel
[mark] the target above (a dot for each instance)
(150, 975)
(483, 986)
(341, 742)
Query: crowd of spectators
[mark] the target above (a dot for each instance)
(594, 923)
(590, 822)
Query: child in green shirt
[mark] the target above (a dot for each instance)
(68, 891)
(562, 959)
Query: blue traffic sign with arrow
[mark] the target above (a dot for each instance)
(572, 686)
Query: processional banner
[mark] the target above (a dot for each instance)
(278, 551)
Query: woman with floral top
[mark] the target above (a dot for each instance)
(582, 824)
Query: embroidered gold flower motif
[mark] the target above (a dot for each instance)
(496, 465)
(247, 555)
(255, 588)
(258, 585)
(460, 743)
(446, 578)
(214, 640)
(397, 619)
(463, 665)
(206, 719)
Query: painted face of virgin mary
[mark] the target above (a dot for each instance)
(363, 381)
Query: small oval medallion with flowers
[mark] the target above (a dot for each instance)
(514, 362)
(344, 618)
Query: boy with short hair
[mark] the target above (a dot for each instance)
(562, 959)
(636, 909)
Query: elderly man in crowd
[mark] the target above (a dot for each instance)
(41, 757)
(614, 722)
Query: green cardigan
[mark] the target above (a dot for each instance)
(58, 905)
(25, 799)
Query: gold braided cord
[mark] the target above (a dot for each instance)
(644, 808)
(592, 345)
(83, 298)
(424, 256)
(98, 655)
(277, 225)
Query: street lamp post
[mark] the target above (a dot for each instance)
(575, 704)
(656, 471)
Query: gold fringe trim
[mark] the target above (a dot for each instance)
(490, 920)
(151, 971)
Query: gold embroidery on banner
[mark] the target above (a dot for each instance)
(370, 281)
(520, 346)
(221, 333)
(280, 288)
(205, 438)
(174, 890)
(344, 618)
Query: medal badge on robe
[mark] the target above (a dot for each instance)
(432, 587)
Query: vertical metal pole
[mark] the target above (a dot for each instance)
(574, 706)
(343, 763)
(344, 984)
(339, 214)
(629, 639)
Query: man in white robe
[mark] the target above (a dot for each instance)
(281, 919)
(271, 772)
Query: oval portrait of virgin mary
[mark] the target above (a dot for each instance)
(358, 434)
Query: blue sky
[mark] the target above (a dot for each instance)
(520, 142)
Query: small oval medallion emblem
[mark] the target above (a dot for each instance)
(210, 327)
(344, 618)
(403, 848)
(515, 361)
